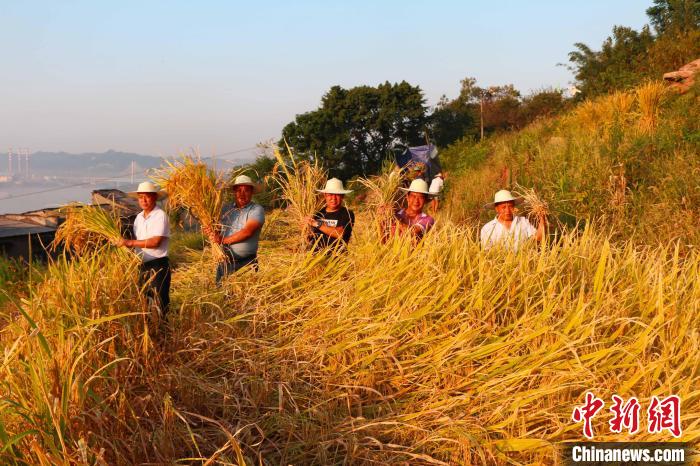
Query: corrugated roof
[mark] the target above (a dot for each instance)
(10, 228)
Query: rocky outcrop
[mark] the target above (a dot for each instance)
(684, 78)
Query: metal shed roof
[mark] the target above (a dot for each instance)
(10, 228)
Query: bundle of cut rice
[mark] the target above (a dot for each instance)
(297, 182)
(192, 185)
(88, 228)
(383, 192)
(535, 207)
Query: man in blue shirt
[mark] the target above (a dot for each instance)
(241, 224)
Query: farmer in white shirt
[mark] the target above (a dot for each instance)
(508, 229)
(152, 230)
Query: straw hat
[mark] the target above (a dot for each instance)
(418, 186)
(503, 196)
(245, 180)
(334, 186)
(147, 187)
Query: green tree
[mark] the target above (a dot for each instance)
(501, 108)
(452, 120)
(353, 129)
(619, 64)
(543, 103)
(461, 117)
(674, 16)
(628, 57)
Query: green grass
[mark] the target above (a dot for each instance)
(183, 244)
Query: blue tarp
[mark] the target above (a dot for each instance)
(422, 158)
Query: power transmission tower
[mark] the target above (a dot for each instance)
(25, 151)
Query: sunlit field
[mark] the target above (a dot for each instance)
(436, 353)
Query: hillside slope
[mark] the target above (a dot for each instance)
(628, 161)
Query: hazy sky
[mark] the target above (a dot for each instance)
(155, 77)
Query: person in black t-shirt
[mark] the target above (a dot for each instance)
(332, 225)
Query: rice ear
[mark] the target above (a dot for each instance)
(192, 185)
(87, 228)
(297, 183)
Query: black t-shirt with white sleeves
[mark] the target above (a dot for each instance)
(342, 217)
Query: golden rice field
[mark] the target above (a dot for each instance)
(442, 354)
(392, 354)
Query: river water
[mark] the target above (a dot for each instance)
(32, 196)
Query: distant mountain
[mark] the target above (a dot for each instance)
(64, 164)
(106, 164)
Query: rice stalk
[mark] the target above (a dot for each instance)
(536, 208)
(383, 189)
(587, 114)
(383, 194)
(87, 228)
(298, 183)
(616, 105)
(650, 98)
(192, 185)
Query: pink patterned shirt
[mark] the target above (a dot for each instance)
(424, 221)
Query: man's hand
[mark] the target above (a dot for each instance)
(213, 236)
(119, 242)
(308, 220)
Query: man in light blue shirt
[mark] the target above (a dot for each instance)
(242, 222)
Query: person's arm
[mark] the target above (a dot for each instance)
(162, 231)
(434, 204)
(400, 227)
(333, 232)
(485, 236)
(539, 234)
(149, 243)
(420, 228)
(248, 230)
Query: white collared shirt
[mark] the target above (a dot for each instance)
(156, 224)
(494, 232)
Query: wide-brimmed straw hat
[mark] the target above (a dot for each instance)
(503, 196)
(245, 180)
(418, 186)
(334, 186)
(147, 187)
